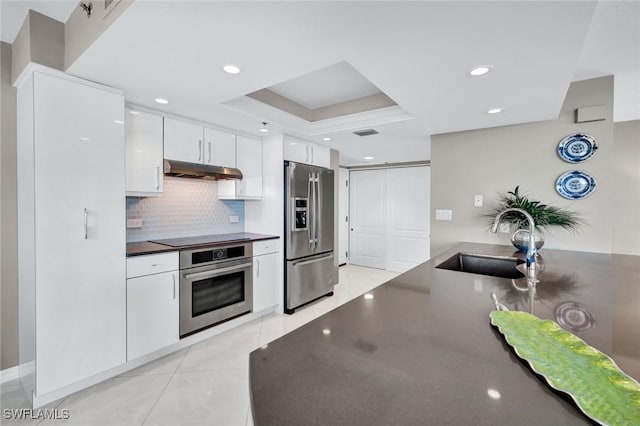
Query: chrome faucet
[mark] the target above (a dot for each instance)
(531, 250)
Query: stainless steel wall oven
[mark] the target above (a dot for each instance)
(216, 285)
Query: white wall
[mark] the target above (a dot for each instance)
(626, 214)
(493, 161)
(8, 217)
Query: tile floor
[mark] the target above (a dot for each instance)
(205, 384)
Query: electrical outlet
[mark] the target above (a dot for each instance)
(234, 219)
(134, 223)
(477, 285)
(504, 228)
(477, 201)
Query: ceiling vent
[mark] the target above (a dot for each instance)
(365, 132)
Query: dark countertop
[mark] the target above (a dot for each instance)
(147, 247)
(422, 351)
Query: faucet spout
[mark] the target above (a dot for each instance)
(531, 250)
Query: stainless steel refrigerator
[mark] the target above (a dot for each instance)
(310, 269)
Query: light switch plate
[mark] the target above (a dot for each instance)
(234, 219)
(134, 223)
(444, 214)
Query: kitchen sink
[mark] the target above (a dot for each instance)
(495, 266)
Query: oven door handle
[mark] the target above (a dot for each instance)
(214, 272)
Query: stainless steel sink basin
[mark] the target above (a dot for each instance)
(495, 266)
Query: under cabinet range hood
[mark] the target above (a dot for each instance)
(195, 170)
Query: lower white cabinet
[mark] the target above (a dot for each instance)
(152, 303)
(265, 274)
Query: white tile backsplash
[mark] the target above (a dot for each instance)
(187, 208)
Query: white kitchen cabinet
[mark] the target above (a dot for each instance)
(143, 140)
(249, 161)
(220, 148)
(152, 303)
(265, 274)
(183, 141)
(306, 152)
(71, 224)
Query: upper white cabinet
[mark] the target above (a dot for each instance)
(71, 223)
(143, 139)
(220, 148)
(183, 141)
(249, 161)
(306, 152)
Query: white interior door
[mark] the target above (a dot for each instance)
(343, 217)
(389, 217)
(367, 221)
(407, 222)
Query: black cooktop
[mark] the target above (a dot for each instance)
(203, 240)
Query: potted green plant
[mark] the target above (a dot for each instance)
(545, 217)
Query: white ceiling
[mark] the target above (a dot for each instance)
(418, 53)
(327, 86)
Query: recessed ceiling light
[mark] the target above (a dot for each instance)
(161, 101)
(264, 129)
(132, 112)
(368, 296)
(326, 331)
(84, 138)
(481, 70)
(326, 139)
(231, 69)
(368, 157)
(118, 121)
(494, 110)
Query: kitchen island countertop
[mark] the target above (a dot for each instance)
(420, 349)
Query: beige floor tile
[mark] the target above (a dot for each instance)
(220, 352)
(204, 398)
(118, 401)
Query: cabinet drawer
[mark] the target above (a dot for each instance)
(152, 264)
(266, 246)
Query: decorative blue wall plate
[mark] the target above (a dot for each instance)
(575, 185)
(577, 147)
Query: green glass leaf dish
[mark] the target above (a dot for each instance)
(597, 385)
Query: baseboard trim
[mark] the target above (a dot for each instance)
(9, 374)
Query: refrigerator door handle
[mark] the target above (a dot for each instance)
(314, 260)
(309, 210)
(317, 208)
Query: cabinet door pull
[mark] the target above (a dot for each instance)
(174, 285)
(199, 150)
(86, 219)
(209, 152)
(157, 178)
(258, 271)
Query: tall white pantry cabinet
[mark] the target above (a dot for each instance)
(72, 242)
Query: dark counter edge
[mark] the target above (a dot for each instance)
(140, 248)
